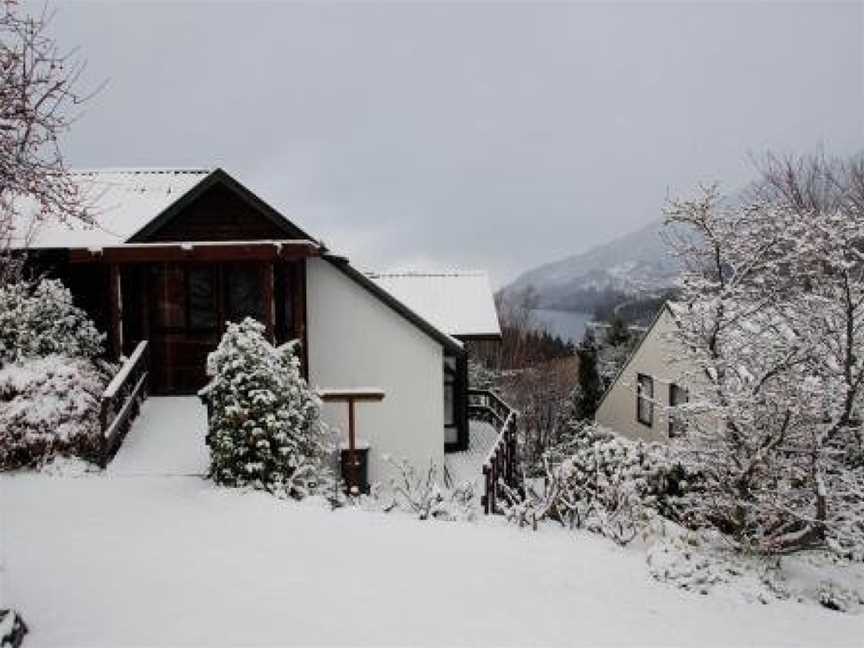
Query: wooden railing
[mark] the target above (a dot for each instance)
(121, 401)
(500, 464)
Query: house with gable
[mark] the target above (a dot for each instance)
(636, 404)
(177, 253)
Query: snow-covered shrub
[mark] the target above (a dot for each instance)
(12, 629)
(422, 494)
(264, 425)
(606, 484)
(39, 319)
(49, 406)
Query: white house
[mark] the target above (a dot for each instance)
(635, 405)
(176, 253)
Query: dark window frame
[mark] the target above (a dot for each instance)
(649, 400)
(673, 387)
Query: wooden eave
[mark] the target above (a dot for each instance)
(202, 251)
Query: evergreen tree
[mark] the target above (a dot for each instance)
(617, 334)
(590, 389)
(265, 429)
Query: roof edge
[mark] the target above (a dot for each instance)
(660, 311)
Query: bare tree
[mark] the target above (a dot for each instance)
(38, 99)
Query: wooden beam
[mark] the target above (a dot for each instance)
(203, 251)
(115, 311)
(364, 394)
(268, 294)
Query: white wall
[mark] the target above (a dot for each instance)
(653, 358)
(355, 340)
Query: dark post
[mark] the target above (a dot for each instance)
(115, 311)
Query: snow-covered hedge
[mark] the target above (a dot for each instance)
(50, 377)
(39, 319)
(49, 406)
(265, 430)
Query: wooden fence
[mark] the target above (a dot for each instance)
(500, 464)
(121, 401)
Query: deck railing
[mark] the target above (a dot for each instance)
(500, 464)
(121, 401)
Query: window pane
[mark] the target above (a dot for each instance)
(677, 396)
(644, 399)
(170, 287)
(449, 404)
(202, 299)
(244, 296)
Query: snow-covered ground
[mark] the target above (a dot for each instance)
(143, 555)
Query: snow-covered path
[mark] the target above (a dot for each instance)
(166, 439)
(115, 560)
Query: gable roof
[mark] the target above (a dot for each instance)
(121, 201)
(667, 308)
(460, 303)
(130, 204)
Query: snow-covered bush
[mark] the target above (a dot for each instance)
(422, 494)
(606, 484)
(39, 319)
(50, 378)
(264, 425)
(49, 406)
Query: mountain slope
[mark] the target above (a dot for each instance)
(635, 263)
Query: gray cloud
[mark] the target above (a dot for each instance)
(496, 136)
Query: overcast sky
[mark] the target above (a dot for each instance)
(473, 136)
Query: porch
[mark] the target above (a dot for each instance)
(178, 297)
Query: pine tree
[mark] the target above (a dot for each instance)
(265, 429)
(590, 389)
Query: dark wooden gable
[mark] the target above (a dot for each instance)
(218, 209)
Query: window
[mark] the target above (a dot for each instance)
(203, 314)
(677, 396)
(169, 295)
(449, 392)
(645, 399)
(243, 294)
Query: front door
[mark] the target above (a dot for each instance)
(185, 324)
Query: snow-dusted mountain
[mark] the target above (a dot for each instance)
(635, 263)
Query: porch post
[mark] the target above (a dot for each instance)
(115, 311)
(269, 301)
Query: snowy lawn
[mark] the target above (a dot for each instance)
(101, 560)
(146, 554)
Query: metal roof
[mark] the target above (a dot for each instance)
(460, 303)
(121, 201)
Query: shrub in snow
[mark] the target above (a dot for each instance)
(423, 495)
(39, 319)
(605, 484)
(49, 406)
(12, 629)
(265, 430)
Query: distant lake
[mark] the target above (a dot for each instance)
(568, 325)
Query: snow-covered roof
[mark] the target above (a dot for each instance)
(457, 302)
(121, 201)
